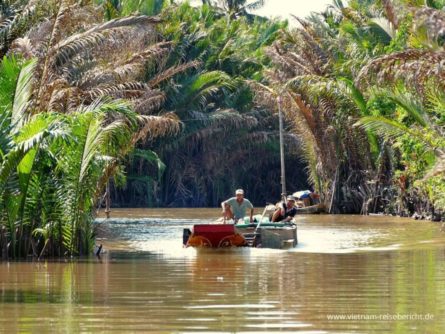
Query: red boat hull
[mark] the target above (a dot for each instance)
(215, 236)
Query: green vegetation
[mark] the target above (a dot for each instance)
(361, 86)
(224, 132)
(104, 99)
(53, 164)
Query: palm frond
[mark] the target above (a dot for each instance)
(71, 46)
(382, 29)
(10, 69)
(420, 64)
(392, 129)
(411, 105)
(255, 5)
(16, 21)
(125, 90)
(150, 102)
(23, 92)
(151, 127)
(171, 72)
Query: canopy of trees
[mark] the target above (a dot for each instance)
(165, 104)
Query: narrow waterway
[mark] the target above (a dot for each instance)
(349, 274)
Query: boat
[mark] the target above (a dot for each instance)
(262, 234)
(270, 235)
(312, 209)
(308, 202)
(213, 236)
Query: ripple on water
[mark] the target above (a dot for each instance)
(342, 265)
(316, 234)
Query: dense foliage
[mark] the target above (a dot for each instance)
(64, 129)
(361, 84)
(223, 131)
(152, 103)
(52, 164)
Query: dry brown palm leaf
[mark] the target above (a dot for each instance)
(82, 18)
(283, 63)
(421, 63)
(57, 26)
(294, 113)
(39, 37)
(150, 102)
(132, 68)
(50, 95)
(11, 26)
(156, 126)
(299, 62)
(313, 52)
(263, 95)
(94, 75)
(128, 90)
(431, 21)
(59, 100)
(172, 71)
(305, 110)
(230, 119)
(23, 47)
(71, 46)
(391, 13)
(152, 52)
(117, 61)
(302, 55)
(328, 108)
(65, 99)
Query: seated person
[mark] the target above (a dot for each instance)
(286, 211)
(306, 198)
(235, 208)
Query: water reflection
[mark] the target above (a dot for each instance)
(150, 288)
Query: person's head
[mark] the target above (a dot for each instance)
(239, 193)
(290, 201)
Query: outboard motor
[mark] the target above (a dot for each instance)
(186, 233)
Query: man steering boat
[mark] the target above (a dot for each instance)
(235, 207)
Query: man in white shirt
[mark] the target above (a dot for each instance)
(235, 207)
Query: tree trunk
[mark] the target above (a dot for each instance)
(3, 243)
(107, 200)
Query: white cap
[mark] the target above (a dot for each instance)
(239, 191)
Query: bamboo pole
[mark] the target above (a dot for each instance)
(283, 169)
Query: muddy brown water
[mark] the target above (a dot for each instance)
(349, 274)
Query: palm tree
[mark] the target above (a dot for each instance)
(314, 67)
(235, 8)
(116, 8)
(121, 58)
(53, 166)
(24, 143)
(222, 125)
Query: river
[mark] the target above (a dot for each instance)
(349, 274)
